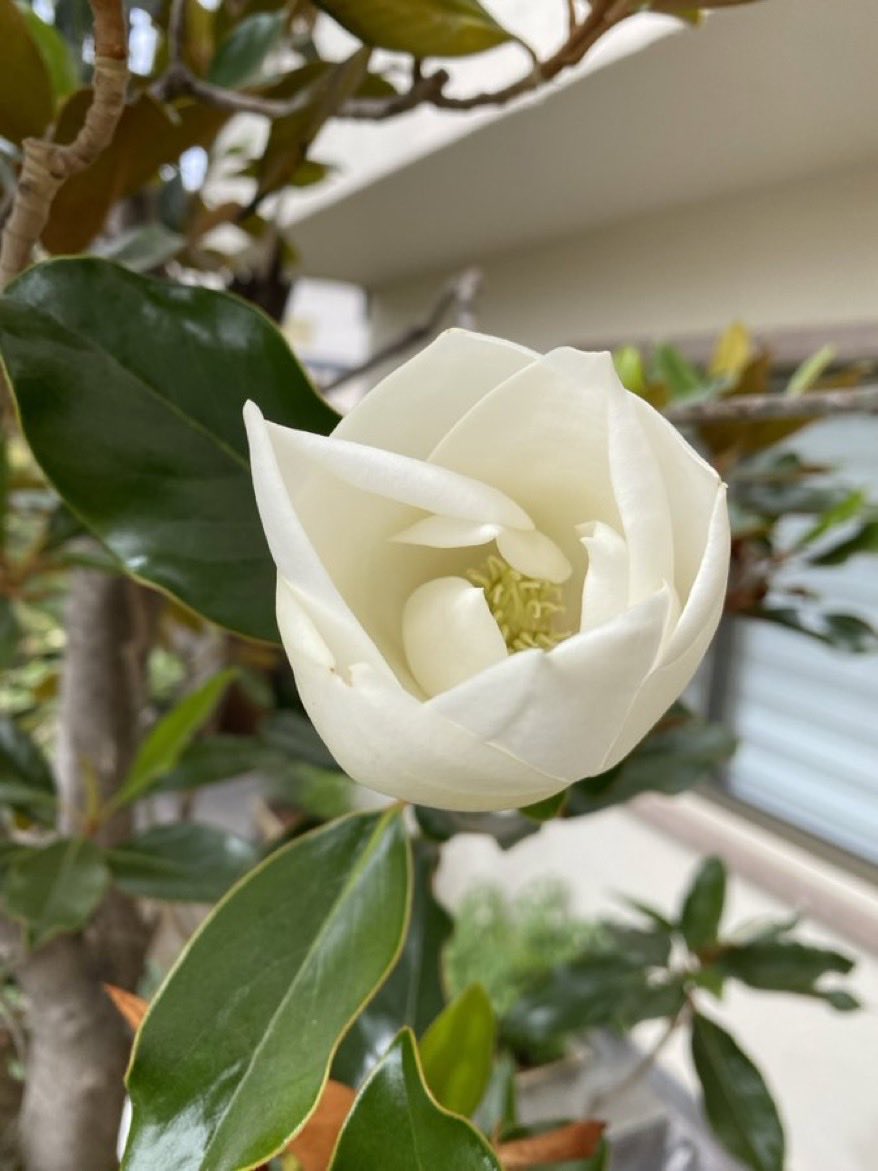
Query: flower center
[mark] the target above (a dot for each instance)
(523, 607)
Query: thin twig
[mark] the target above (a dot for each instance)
(47, 165)
(459, 294)
(642, 1067)
(755, 408)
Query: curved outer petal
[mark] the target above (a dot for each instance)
(411, 409)
(688, 644)
(561, 711)
(385, 738)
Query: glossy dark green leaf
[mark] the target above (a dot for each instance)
(703, 905)
(26, 780)
(413, 995)
(457, 1051)
(162, 748)
(736, 1099)
(55, 889)
(670, 760)
(844, 632)
(182, 861)
(424, 28)
(396, 1124)
(781, 965)
(240, 57)
(233, 1055)
(145, 442)
(650, 947)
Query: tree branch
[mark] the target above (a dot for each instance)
(426, 89)
(459, 294)
(47, 165)
(755, 408)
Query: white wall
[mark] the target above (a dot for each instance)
(802, 254)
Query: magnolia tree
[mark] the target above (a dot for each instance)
(493, 579)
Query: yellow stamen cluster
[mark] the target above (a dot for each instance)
(523, 607)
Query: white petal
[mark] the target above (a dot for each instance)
(561, 711)
(541, 437)
(385, 738)
(534, 554)
(637, 483)
(291, 548)
(691, 485)
(605, 589)
(689, 641)
(449, 634)
(446, 532)
(398, 477)
(411, 409)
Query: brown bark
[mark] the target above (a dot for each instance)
(79, 1045)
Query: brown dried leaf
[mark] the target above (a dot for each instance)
(580, 1140)
(314, 1146)
(132, 1008)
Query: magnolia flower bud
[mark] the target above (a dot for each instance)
(495, 575)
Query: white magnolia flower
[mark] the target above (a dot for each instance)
(495, 575)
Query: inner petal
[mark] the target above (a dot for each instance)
(449, 634)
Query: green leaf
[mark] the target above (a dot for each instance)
(182, 861)
(810, 371)
(736, 1099)
(214, 759)
(845, 632)
(865, 540)
(424, 28)
(145, 442)
(499, 1107)
(669, 760)
(239, 59)
(144, 248)
(233, 1055)
(396, 1124)
(629, 366)
(413, 995)
(457, 1051)
(55, 53)
(55, 889)
(27, 103)
(161, 749)
(847, 509)
(547, 809)
(595, 990)
(703, 905)
(680, 376)
(781, 965)
(295, 737)
(10, 632)
(26, 780)
(507, 829)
